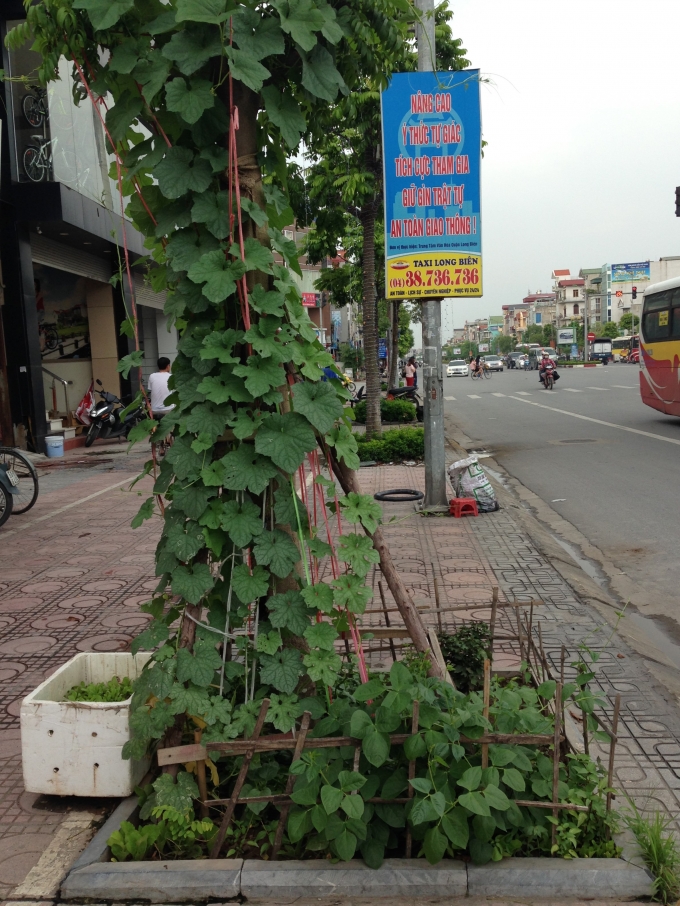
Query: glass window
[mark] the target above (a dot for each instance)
(674, 296)
(575, 309)
(676, 324)
(657, 325)
(656, 301)
(61, 302)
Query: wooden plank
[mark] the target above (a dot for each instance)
(290, 782)
(181, 754)
(556, 751)
(412, 772)
(485, 708)
(387, 618)
(240, 780)
(551, 805)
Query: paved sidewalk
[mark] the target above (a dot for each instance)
(73, 573)
(73, 576)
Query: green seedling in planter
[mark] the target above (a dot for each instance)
(132, 842)
(115, 690)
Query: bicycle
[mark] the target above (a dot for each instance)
(34, 105)
(27, 475)
(51, 334)
(37, 160)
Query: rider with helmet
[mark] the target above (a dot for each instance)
(545, 364)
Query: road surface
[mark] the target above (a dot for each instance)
(602, 460)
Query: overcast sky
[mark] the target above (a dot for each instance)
(582, 120)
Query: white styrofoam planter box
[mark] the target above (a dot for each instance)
(74, 748)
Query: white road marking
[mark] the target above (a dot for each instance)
(473, 396)
(68, 506)
(523, 393)
(599, 388)
(597, 421)
(624, 387)
(572, 390)
(450, 399)
(497, 394)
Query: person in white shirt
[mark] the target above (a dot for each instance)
(158, 387)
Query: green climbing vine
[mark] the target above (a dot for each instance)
(189, 91)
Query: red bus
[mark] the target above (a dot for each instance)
(660, 347)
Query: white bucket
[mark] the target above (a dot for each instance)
(54, 446)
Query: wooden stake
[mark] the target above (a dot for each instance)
(240, 780)
(612, 748)
(563, 655)
(585, 733)
(387, 618)
(412, 772)
(492, 625)
(200, 777)
(436, 599)
(485, 712)
(290, 782)
(519, 636)
(556, 757)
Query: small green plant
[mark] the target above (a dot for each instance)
(659, 851)
(465, 652)
(392, 446)
(116, 690)
(390, 411)
(132, 842)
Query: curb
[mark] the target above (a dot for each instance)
(194, 881)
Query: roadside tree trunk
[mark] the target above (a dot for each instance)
(373, 426)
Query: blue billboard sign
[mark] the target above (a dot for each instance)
(431, 127)
(629, 273)
(382, 348)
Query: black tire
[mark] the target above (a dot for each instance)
(28, 479)
(51, 340)
(6, 504)
(352, 387)
(399, 495)
(92, 434)
(548, 382)
(32, 169)
(419, 413)
(33, 111)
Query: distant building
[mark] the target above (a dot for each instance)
(516, 319)
(609, 288)
(569, 297)
(541, 308)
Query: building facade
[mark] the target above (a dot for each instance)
(61, 241)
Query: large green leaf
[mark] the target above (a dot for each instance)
(288, 611)
(434, 845)
(246, 69)
(269, 338)
(257, 257)
(345, 444)
(125, 57)
(250, 585)
(471, 778)
(331, 797)
(268, 643)
(278, 551)
(212, 209)
(287, 249)
(189, 99)
(350, 592)
(104, 13)
(200, 666)
(475, 803)
(376, 747)
(513, 779)
(192, 584)
(353, 806)
(224, 388)
(358, 551)
(281, 670)
(245, 425)
(211, 11)
(256, 35)
(120, 117)
(301, 19)
(244, 469)
(455, 826)
(321, 635)
(217, 273)
(319, 403)
(178, 795)
(319, 597)
(285, 112)
(151, 73)
(220, 345)
(260, 375)
(179, 172)
(320, 76)
(185, 247)
(192, 47)
(285, 439)
(345, 845)
(242, 521)
(267, 303)
(496, 798)
(361, 508)
(209, 419)
(323, 666)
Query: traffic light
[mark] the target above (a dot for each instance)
(634, 293)
(677, 201)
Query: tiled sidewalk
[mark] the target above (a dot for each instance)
(71, 579)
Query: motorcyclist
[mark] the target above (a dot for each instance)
(545, 364)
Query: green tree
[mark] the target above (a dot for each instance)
(344, 189)
(609, 329)
(630, 322)
(533, 334)
(505, 344)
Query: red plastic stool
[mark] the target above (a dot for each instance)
(463, 506)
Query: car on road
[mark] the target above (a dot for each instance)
(457, 367)
(493, 362)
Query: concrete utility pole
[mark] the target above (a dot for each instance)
(585, 324)
(433, 383)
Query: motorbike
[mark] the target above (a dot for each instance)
(9, 487)
(410, 394)
(548, 379)
(105, 417)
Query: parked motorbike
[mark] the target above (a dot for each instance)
(9, 487)
(105, 417)
(410, 394)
